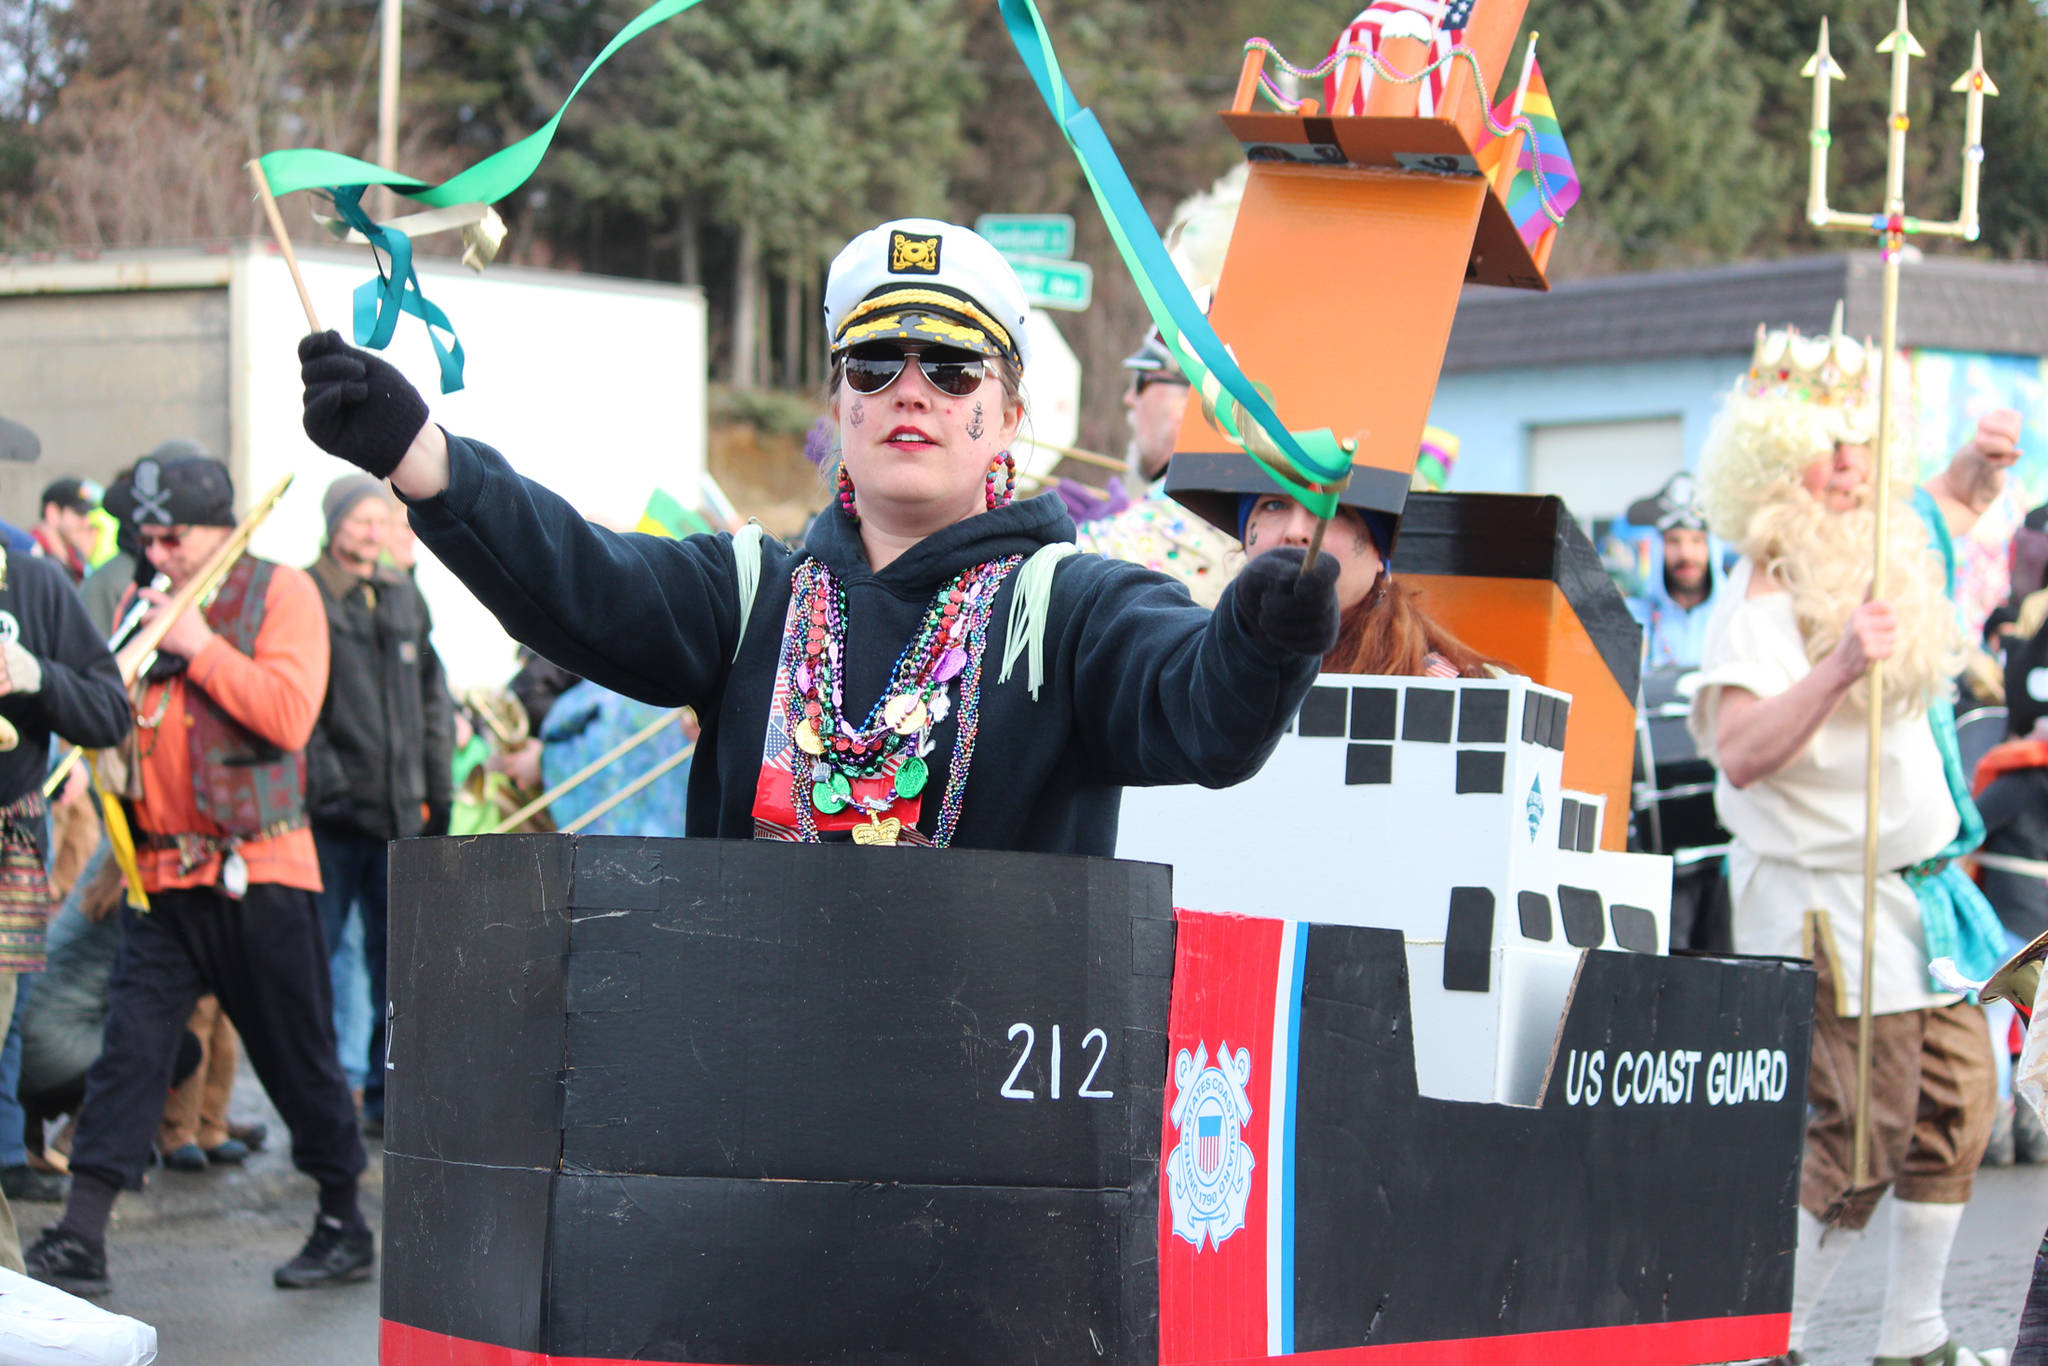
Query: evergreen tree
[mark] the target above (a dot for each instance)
(1659, 109)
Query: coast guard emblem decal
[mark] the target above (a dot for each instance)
(1209, 1172)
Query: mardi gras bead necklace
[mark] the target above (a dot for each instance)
(896, 733)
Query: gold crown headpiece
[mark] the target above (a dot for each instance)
(1832, 371)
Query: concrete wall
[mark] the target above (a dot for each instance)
(1492, 411)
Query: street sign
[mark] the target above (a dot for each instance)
(1049, 235)
(1068, 285)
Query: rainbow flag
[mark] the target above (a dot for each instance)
(666, 516)
(1545, 142)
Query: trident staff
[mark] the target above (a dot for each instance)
(1892, 225)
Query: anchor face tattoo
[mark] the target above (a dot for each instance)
(859, 413)
(975, 426)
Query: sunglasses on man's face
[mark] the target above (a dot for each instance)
(1145, 379)
(168, 540)
(873, 367)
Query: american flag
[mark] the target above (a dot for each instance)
(1402, 18)
(1209, 1142)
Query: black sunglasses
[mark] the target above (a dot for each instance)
(872, 367)
(169, 540)
(1145, 379)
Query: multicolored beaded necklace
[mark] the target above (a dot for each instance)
(893, 739)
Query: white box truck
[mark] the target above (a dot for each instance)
(594, 386)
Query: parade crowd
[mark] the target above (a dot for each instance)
(317, 726)
(929, 621)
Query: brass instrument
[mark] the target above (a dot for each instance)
(2019, 979)
(133, 658)
(134, 655)
(498, 713)
(591, 769)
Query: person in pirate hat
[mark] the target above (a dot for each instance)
(927, 623)
(1684, 574)
(1384, 629)
(225, 854)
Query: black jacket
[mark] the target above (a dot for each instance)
(1141, 686)
(81, 699)
(385, 739)
(2015, 811)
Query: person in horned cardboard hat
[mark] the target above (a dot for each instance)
(1384, 628)
(1787, 478)
(931, 665)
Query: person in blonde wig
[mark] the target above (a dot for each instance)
(1787, 477)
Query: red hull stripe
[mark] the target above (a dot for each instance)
(1655, 1344)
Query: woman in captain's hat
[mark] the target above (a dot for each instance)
(1385, 629)
(933, 664)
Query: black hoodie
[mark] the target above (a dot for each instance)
(1141, 687)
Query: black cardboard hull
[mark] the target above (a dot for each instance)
(740, 1104)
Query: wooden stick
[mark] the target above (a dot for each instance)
(631, 742)
(1315, 545)
(284, 241)
(630, 790)
(1085, 457)
(1880, 480)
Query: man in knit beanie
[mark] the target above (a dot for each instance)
(379, 766)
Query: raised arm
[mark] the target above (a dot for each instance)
(1976, 474)
(652, 618)
(655, 619)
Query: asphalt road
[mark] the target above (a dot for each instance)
(192, 1255)
(1987, 1274)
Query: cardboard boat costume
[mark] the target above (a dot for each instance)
(988, 688)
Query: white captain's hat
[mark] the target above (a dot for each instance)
(920, 279)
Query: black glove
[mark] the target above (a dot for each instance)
(439, 814)
(357, 405)
(1284, 610)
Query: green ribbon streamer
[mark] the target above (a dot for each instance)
(487, 182)
(1292, 459)
(379, 302)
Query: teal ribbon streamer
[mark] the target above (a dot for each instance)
(1954, 916)
(1316, 457)
(379, 302)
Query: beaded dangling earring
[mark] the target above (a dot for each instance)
(1004, 465)
(846, 494)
